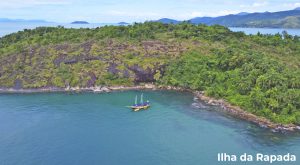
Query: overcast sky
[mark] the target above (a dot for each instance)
(109, 11)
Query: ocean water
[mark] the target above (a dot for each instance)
(11, 27)
(88, 128)
(294, 32)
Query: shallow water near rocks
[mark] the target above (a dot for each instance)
(88, 128)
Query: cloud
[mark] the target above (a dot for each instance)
(257, 4)
(185, 16)
(225, 12)
(189, 15)
(15, 4)
(133, 14)
(216, 13)
(196, 14)
(292, 5)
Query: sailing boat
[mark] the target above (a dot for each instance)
(141, 105)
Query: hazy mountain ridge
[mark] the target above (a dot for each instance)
(281, 19)
(168, 20)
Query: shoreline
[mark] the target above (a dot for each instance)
(232, 110)
(238, 112)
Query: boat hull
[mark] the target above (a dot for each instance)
(137, 108)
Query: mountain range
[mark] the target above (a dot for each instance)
(281, 19)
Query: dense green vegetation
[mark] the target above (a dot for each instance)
(249, 80)
(259, 73)
(287, 22)
(281, 19)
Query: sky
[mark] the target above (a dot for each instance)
(111, 11)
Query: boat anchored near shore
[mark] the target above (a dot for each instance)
(141, 106)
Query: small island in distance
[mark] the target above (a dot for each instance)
(123, 23)
(79, 22)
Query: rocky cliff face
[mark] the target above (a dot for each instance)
(87, 64)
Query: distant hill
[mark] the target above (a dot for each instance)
(168, 21)
(21, 20)
(79, 22)
(243, 13)
(281, 19)
(201, 20)
(288, 22)
(123, 23)
(298, 8)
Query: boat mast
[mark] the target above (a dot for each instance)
(142, 99)
(135, 100)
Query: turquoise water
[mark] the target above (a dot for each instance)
(88, 128)
(11, 27)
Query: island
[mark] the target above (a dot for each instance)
(167, 21)
(123, 23)
(79, 22)
(254, 76)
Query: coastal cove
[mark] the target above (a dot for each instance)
(50, 128)
(223, 105)
(149, 82)
(259, 73)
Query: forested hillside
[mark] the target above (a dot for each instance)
(259, 73)
(280, 19)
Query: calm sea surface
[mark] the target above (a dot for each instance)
(293, 32)
(88, 128)
(11, 27)
(7, 28)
